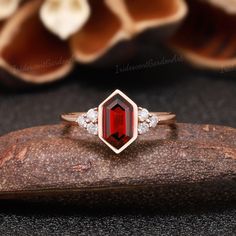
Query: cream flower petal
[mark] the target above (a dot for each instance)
(8, 7)
(64, 18)
(228, 6)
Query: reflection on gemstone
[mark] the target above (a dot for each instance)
(92, 128)
(92, 115)
(143, 128)
(153, 121)
(143, 114)
(118, 121)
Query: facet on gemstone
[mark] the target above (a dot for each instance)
(153, 121)
(92, 115)
(143, 128)
(92, 128)
(81, 121)
(143, 114)
(118, 121)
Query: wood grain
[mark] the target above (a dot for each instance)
(169, 165)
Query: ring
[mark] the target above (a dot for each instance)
(118, 121)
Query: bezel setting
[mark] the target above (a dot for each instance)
(134, 116)
(118, 121)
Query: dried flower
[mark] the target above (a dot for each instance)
(52, 34)
(228, 6)
(8, 7)
(64, 18)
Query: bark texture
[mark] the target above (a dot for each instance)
(171, 165)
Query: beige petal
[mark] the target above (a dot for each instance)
(28, 51)
(100, 33)
(64, 18)
(229, 6)
(208, 37)
(8, 7)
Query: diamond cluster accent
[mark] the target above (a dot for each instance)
(89, 121)
(146, 120)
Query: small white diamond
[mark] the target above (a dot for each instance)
(143, 128)
(92, 115)
(92, 128)
(81, 121)
(153, 121)
(143, 114)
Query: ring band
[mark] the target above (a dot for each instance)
(164, 118)
(118, 121)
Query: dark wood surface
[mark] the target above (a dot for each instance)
(171, 164)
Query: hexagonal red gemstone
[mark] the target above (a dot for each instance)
(118, 121)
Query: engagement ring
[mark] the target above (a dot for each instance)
(118, 121)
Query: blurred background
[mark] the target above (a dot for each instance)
(61, 56)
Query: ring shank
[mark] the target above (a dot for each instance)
(165, 118)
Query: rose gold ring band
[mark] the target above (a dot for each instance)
(164, 118)
(118, 121)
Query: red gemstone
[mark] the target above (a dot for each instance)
(117, 121)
